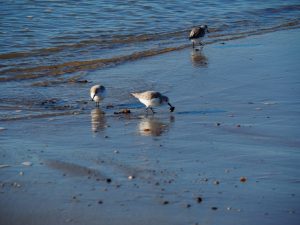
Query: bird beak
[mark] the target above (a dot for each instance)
(171, 107)
(93, 97)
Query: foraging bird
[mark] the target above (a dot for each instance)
(97, 93)
(197, 34)
(152, 98)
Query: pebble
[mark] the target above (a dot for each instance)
(21, 173)
(243, 179)
(199, 199)
(123, 111)
(187, 205)
(131, 177)
(27, 163)
(108, 180)
(15, 184)
(216, 182)
(165, 202)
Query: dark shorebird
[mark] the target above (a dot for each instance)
(97, 93)
(152, 98)
(197, 34)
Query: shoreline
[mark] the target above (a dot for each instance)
(67, 68)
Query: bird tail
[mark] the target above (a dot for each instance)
(135, 95)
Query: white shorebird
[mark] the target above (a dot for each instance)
(152, 98)
(197, 34)
(97, 92)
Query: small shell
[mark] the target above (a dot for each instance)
(27, 163)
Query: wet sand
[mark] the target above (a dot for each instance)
(229, 154)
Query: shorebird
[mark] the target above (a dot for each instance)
(97, 93)
(152, 98)
(197, 34)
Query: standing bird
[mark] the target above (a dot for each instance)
(152, 98)
(197, 34)
(97, 93)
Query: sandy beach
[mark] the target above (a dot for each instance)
(228, 154)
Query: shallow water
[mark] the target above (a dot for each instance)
(52, 38)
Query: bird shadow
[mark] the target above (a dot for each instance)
(154, 126)
(200, 112)
(198, 58)
(98, 120)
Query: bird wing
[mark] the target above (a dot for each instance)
(154, 95)
(147, 95)
(197, 32)
(99, 89)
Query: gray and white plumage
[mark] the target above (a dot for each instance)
(153, 98)
(97, 93)
(197, 34)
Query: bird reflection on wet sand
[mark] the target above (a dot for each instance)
(98, 120)
(153, 126)
(198, 58)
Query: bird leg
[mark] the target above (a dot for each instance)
(150, 109)
(171, 107)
